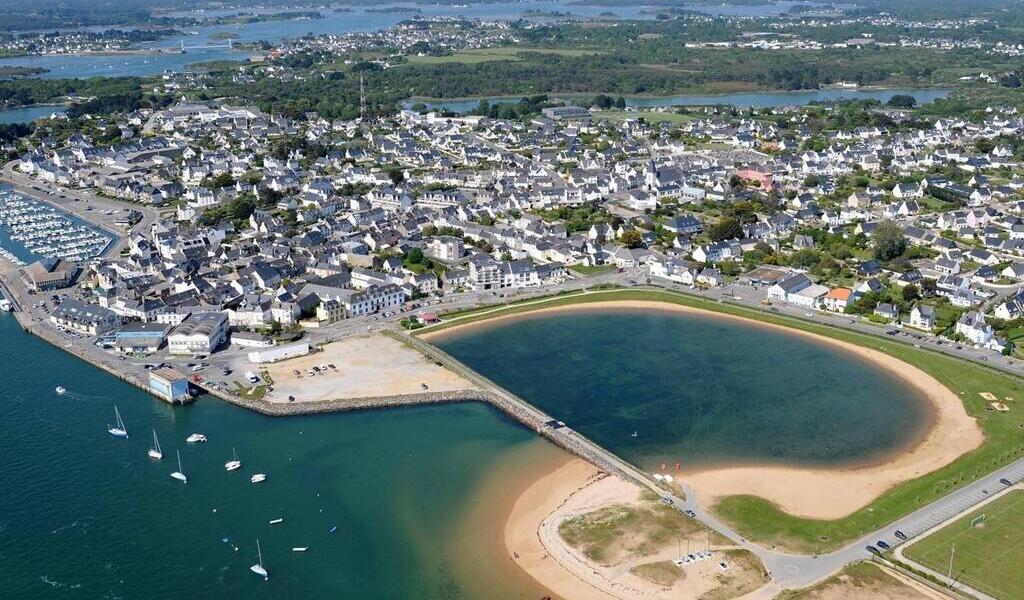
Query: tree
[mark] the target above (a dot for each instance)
(414, 256)
(911, 293)
(726, 229)
(902, 101)
(632, 239)
(888, 241)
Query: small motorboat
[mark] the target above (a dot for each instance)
(276, 521)
(258, 478)
(60, 391)
(300, 549)
(195, 438)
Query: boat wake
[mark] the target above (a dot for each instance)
(60, 529)
(59, 585)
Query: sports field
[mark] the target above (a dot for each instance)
(989, 554)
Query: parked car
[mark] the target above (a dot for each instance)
(899, 534)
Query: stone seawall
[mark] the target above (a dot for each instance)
(489, 392)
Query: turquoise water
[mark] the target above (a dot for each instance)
(85, 515)
(740, 99)
(697, 390)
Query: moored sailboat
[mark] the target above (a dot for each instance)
(258, 568)
(179, 475)
(234, 464)
(155, 452)
(118, 430)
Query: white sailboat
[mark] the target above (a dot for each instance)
(258, 567)
(118, 430)
(196, 438)
(155, 452)
(258, 478)
(235, 464)
(179, 475)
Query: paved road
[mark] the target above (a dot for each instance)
(786, 569)
(796, 571)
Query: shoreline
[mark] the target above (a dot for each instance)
(526, 541)
(824, 493)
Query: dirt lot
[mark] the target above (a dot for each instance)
(368, 366)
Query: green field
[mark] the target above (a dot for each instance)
(650, 116)
(592, 269)
(989, 556)
(760, 520)
(483, 55)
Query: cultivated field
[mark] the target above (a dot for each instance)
(482, 55)
(989, 555)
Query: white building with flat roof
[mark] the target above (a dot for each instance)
(200, 333)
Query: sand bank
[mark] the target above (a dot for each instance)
(822, 493)
(578, 488)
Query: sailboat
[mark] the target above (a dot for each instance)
(233, 465)
(258, 567)
(118, 430)
(179, 475)
(155, 452)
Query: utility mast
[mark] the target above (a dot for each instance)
(362, 97)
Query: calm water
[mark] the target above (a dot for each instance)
(333, 22)
(84, 515)
(697, 390)
(27, 114)
(743, 100)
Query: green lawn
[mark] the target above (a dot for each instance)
(989, 556)
(592, 269)
(483, 55)
(760, 520)
(651, 116)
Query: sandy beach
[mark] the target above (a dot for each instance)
(528, 539)
(578, 488)
(821, 493)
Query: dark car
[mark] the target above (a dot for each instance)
(872, 549)
(1005, 481)
(900, 535)
(883, 545)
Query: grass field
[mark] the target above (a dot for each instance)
(592, 269)
(989, 556)
(760, 520)
(650, 116)
(483, 55)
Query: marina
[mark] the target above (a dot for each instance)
(31, 230)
